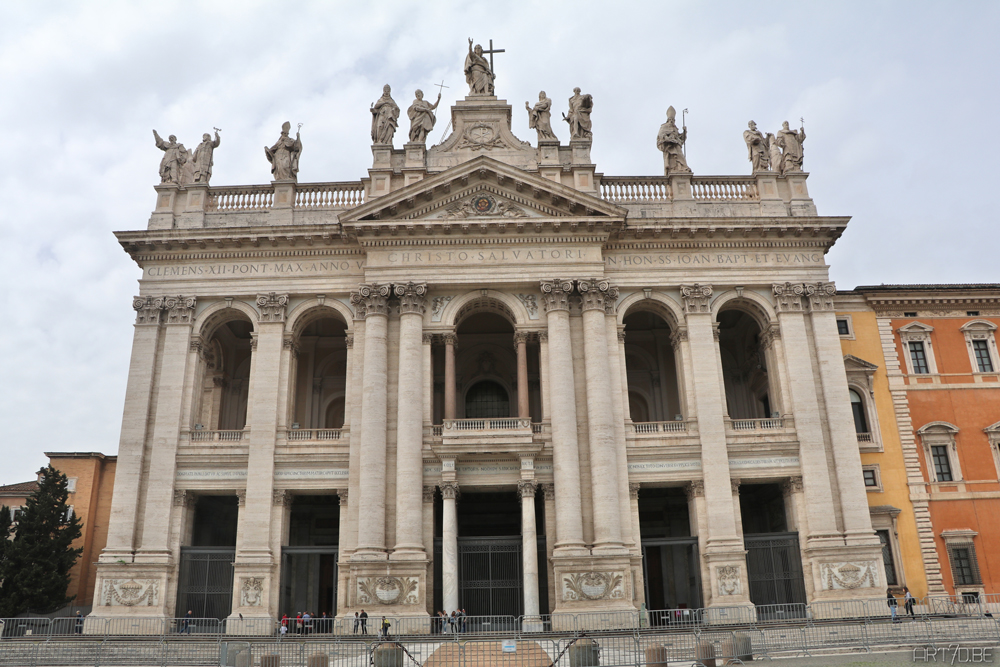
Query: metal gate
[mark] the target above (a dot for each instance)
(205, 585)
(309, 580)
(489, 576)
(774, 568)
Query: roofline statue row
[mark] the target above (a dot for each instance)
(781, 152)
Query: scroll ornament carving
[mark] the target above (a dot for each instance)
(371, 300)
(521, 337)
(412, 297)
(427, 339)
(526, 488)
(272, 307)
(388, 590)
(290, 343)
(530, 304)
(449, 490)
(251, 591)
(555, 294)
(597, 294)
(788, 297)
(180, 309)
(768, 336)
(696, 298)
(848, 576)
(147, 309)
(821, 296)
(730, 582)
(437, 306)
(678, 336)
(130, 592)
(579, 586)
(695, 489)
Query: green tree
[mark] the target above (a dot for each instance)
(37, 561)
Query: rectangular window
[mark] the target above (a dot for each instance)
(887, 559)
(870, 479)
(910, 314)
(918, 357)
(964, 567)
(942, 466)
(972, 313)
(843, 328)
(983, 359)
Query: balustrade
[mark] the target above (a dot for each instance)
(217, 436)
(314, 434)
(724, 188)
(497, 424)
(329, 195)
(240, 198)
(641, 428)
(755, 424)
(865, 437)
(635, 189)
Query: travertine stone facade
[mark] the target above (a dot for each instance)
(561, 255)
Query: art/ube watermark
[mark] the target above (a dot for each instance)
(955, 654)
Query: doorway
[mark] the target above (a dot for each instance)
(669, 555)
(309, 561)
(774, 563)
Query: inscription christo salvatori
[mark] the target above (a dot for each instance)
(324, 267)
(626, 261)
(451, 257)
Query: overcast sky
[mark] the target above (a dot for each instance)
(899, 101)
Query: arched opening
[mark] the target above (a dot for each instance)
(651, 368)
(858, 408)
(321, 375)
(744, 366)
(225, 376)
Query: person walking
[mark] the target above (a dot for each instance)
(187, 622)
(891, 601)
(384, 628)
(908, 601)
(364, 622)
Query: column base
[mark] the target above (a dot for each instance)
(592, 587)
(844, 573)
(367, 555)
(403, 553)
(253, 608)
(133, 590)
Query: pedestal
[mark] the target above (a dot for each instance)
(597, 590)
(683, 197)
(166, 200)
(396, 589)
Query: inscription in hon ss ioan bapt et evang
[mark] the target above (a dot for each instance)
(624, 261)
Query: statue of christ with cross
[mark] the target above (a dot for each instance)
(479, 73)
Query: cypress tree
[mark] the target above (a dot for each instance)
(38, 560)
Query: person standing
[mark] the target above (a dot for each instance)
(908, 602)
(364, 622)
(79, 623)
(384, 628)
(357, 622)
(891, 601)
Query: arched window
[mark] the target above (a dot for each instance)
(486, 400)
(858, 407)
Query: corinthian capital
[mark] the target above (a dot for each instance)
(180, 309)
(555, 294)
(147, 309)
(371, 300)
(449, 490)
(272, 307)
(788, 297)
(820, 295)
(412, 297)
(696, 298)
(526, 488)
(597, 295)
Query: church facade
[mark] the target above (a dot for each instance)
(485, 376)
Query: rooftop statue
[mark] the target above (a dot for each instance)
(384, 115)
(671, 142)
(791, 148)
(202, 158)
(774, 150)
(580, 107)
(284, 155)
(174, 157)
(539, 118)
(422, 119)
(757, 146)
(478, 73)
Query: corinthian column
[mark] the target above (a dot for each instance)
(600, 423)
(521, 344)
(371, 524)
(529, 546)
(449, 546)
(450, 340)
(562, 402)
(409, 424)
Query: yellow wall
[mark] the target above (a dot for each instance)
(892, 470)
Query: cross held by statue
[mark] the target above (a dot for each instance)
(491, 51)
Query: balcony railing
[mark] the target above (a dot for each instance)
(865, 437)
(650, 189)
(642, 428)
(744, 425)
(314, 434)
(217, 436)
(454, 426)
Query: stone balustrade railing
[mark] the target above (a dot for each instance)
(865, 437)
(453, 426)
(217, 436)
(240, 198)
(314, 434)
(635, 189)
(329, 195)
(644, 428)
(744, 425)
(724, 188)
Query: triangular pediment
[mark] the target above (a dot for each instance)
(852, 363)
(482, 192)
(916, 327)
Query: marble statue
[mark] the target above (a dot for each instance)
(478, 73)
(174, 157)
(284, 155)
(202, 158)
(774, 151)
(385, 112)
(671, 142)
(580, 107)
(422, 119)
(791, 148)
(757, 147)
(539, 118)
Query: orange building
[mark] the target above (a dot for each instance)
(943, 368)
(91, 479)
